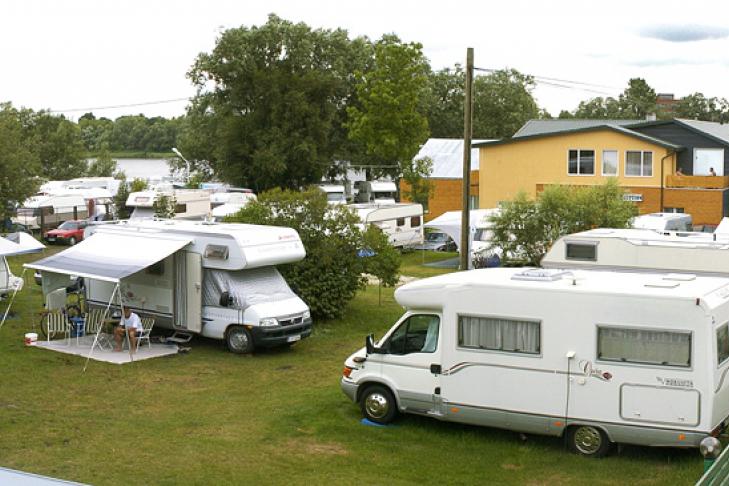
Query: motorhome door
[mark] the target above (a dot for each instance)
(188, 291)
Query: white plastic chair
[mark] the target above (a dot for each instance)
(147, 325)
(57, 323)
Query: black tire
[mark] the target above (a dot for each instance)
(238, 340)
(378, 404)
(72, 241)
(588, 441)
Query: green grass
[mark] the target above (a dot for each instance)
(276, 417)
(412, 263)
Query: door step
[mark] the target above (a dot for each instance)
(179, 338)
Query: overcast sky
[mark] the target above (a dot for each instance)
(77, 54)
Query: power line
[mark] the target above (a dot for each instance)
(129, 105)
(560, 83)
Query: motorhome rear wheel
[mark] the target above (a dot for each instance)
(239, 340)
(378, 404)
(588, 441)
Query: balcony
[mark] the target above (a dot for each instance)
(702, 182)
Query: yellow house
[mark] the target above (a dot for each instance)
(588, 155)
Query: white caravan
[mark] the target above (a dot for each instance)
(14, 244)
(379, 192)
(50, 211)
(641, 250)
(336, 193)
(228, 203)
(605, 358)
(663, 222)
(401, 222)
(189, 203)
(217, 280)
(480, 229)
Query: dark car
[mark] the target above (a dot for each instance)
(70, 232)
(436, 241)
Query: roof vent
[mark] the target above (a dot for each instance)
(541, 274)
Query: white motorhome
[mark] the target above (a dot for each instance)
(664, 222)
(336, 193)
(14, 244)
(641, 250)
(189, 203)
(480, 229)
(401, 222)
(216, 280)
(228, 203)
(50, 211)
(605, 358)
(379, 192)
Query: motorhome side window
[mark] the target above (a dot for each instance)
(415, 221)
(582, 251)
(401, 221)
(498, 334)
(643, 346)
(722, 343)
(417, 334)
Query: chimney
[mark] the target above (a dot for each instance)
(650, 117)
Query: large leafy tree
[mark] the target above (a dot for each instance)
(635, 102)
(696, 106)
(388, 121)
(270, 105)
(58, 144)
(19, 164)
(526, 228)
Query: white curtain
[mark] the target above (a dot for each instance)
(645, 346)
(498, 334)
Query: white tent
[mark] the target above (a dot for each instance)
(16, 244)
(450, 223)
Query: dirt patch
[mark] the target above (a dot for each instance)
(307, 447)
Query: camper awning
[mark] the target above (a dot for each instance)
(19, 244)
(111, 257)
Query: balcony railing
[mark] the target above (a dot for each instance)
(704, 182)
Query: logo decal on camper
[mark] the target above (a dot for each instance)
(590, 372)
(679, 382)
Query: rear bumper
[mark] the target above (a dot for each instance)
(279, 335)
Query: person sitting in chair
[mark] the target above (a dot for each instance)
(132, 326)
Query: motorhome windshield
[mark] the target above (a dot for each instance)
(246, 287)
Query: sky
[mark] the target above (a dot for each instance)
(73, 56)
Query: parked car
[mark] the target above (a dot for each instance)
(70, 232)
(437, 241)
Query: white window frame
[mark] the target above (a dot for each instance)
(642, 163)
(594, 162)
(643, 363)
(617, 162)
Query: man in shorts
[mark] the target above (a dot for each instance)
(132, 326)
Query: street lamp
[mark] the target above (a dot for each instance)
(187, 163)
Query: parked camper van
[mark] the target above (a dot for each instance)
(402, 223)
(379, 192)
(11, 245)
(336, 193)
(605, 358)
(50, 211)
(228, 203)
(663, 222)
(641, 250)
(189, 203)
(217, 280)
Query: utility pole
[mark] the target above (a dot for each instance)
(467, 132)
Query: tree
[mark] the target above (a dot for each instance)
(696, 106)
(502, 103)
(19, 164)
(443, 104)
(164, 206)
(597, 108)
(270, 105)
(103, 165)
(120, 200)
(331, 273)
(387, 121)
(59, 146)
(137, 185)
(416, 175)
(634, 103)
(525, 229)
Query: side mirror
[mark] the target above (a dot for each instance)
(226, 300)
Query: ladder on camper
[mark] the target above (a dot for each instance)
(179, 338)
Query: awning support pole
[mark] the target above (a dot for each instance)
(10, 304)
(98, 331)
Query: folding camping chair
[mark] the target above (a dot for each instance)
(94, 322)
(147, 325)
(57, 323)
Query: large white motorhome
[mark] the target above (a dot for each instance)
(189, 203)
(480, 229)
(641, 250)
(663, 222)
(11, 245)
(605, 358)
(336, 193)
(217, 280)
(401, 222)
(379, 192)
(50, 211)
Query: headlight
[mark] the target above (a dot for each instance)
(306, 315)
(268, 322)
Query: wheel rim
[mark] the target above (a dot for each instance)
(588, 440)
(238, 340)
(377, 405)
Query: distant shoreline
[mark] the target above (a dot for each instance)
(135, 155)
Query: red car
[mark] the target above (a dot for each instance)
(70, 232)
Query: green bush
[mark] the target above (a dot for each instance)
(330, 275)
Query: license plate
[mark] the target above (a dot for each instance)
(51, 238)
(293, 339)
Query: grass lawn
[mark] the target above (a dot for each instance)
(412, 263)
(276, 417)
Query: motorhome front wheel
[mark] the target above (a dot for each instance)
(588, 441)
(239, 340)
(378, 404)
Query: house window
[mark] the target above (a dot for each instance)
(722, 344)
(638, 163)
(415, 221)
(643, 346)
(498, 334)
(586, 252)
(581, 162)
(472, 202)
(609, 162)
(673, 210)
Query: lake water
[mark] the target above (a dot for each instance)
(143, 168)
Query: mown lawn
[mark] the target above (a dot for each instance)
(412, 263)
(277, 417)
